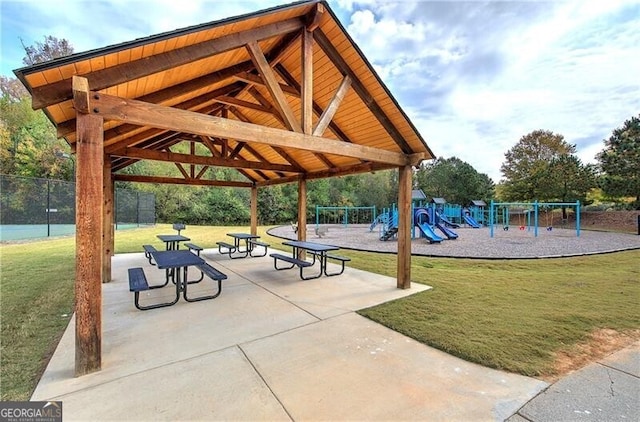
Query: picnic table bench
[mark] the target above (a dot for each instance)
(317, 250)
(193, 247)
(138, 283)
(147, 252)
(252, 247)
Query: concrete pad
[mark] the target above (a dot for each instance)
(350, 368)
(595, 393)
(216, 386)
(323, 297)
(626, 360)
(135, 341)
(271, 346)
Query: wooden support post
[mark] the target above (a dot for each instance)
(306, 88)
(89, 227)
(254, 210)
(404, 227)
(107, 229)
(302, 213)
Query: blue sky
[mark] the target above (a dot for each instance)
(473, 76)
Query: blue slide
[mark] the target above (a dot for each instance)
(446, 221)
(428, 232)
(470, 221)
(451, 235)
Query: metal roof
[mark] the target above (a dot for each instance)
(244, 71)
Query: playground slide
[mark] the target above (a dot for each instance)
(428, 232)
(451, 235)
(470, 221)
(446, 221)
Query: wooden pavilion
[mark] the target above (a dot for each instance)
(283, 95)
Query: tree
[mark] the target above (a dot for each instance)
(569, 181)
(51, 48)
(526, 167)
(30, 146)
(620, 162)
(455, 180)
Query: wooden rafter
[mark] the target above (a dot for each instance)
(179, 181)
(252, 79)
(332, 108)
(273, 86)
(169, 156)
(316, 107)
(360, 89)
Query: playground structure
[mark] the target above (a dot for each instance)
(425, 221)
(525, 212)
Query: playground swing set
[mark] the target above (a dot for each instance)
(525, 212)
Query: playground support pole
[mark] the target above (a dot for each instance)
(535, 218)
(577, 218)
(491, 218)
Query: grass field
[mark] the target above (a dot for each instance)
(516, 315)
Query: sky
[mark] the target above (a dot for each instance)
(473, 76)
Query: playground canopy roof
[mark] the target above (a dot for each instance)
(478, 203)
(418, 194)
(280, 94)
(438, 201)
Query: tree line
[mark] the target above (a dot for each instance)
(542, 166)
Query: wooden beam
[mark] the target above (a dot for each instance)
(89, 227)
(244, 104)
(361, 90)
(332, 108)
(254, 210)
(314, 17)
(202, 171)
(178, 181)
(335, 172)
(316, 107)
(306, 87)
(163, 96)
(182, 171)
(252, 79)
(302, 210)
(173, 157)
(145, 114)
(273, 86)
(61, 91)
(404, 227)
(251, 150)
(123, 134)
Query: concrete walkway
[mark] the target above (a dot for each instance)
(607, 390)
(271, 347)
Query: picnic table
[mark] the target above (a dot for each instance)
(320, 253)
(172, 241)
(236, 251)
(178, 262)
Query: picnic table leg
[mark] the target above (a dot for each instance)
(314, 261)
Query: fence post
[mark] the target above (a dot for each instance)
(48, 209)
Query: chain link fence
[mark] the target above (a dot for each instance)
(33, 208)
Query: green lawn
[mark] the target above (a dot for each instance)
(512, 315)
